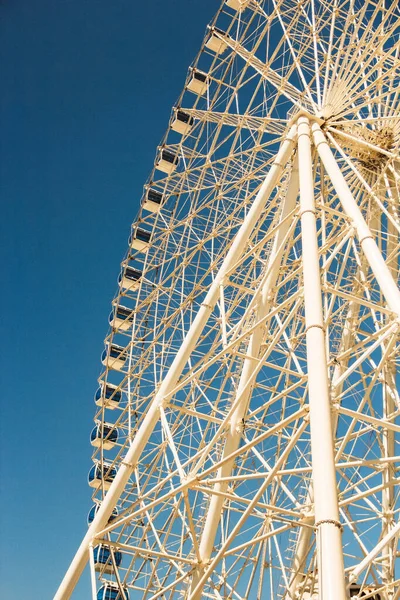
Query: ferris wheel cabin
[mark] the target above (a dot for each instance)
(114, 357)
(214, 42)
(121, 318)
(198, 83)
(109, 395)
(237, 5)
(130, 278)
(140, 239)
(103, 561)
(105, 436)
(182, 122)
(167, 161)
(111, 591)
(102, 475)
(94, 510)
(153, 201)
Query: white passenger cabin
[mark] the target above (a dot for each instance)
(153, 201)
(182, 122)
(114, 357)
(109, 395)
(167, 161)
(214, 42)
(140, 239)
(237, 4)
(130, 278)
(198, 83)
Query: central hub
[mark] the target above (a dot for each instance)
(365, 144)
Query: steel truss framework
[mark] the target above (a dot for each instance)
(258, 409)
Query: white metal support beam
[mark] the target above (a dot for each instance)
(92, 572)
(389, 407)
(374, 257)
(331, 579)
(149, 422)
(393, 533)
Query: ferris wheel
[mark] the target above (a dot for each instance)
(246, 438)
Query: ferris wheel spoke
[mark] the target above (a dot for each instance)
(337, 47)
(365, 56)
(371, 85)
(282, 85)
(296, 61)
(245, 121)
(350, 108)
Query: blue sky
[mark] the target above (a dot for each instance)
(87, 89)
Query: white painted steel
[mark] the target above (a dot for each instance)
(92, 572)
(331, 581)
(393, 533)
(367, 242)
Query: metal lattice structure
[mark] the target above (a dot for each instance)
(246, 441)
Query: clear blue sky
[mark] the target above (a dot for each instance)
(87, 89)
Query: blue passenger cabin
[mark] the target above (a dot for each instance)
(182, 122)
(140, 239)
(114, 357)
(153, 201)
(111, 591)
(109, 395)
(94, 510)
(99, 474)
(130, 278)
(105, 435)
(121, 318)
(167, 161)
(103, 559)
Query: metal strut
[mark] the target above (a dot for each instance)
(331, 578)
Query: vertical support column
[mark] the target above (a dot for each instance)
(303, 545)
(304, 541)
(329, 539)
(189, 343)
(389, 472)
(92, 572)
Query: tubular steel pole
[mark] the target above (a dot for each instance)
(92, 571)
(373, 255)
(395, 531)
(149, 422)
(389, 440)
(331, 578)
